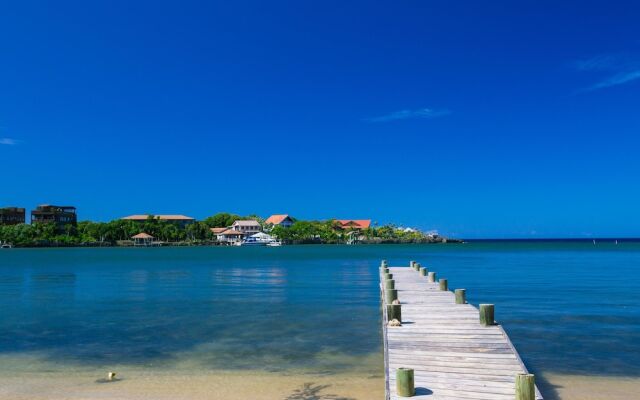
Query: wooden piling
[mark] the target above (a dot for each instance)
(390, 295)
(384, 264)
(405, 385)
(487, 316)
(388, 276)
(431, 277)
(394, 311)
(525, 387)
(461, 296)
(443, 284)
(389, 284)
(423, 271)
(412, 264)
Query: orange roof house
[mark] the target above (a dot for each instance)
(283, 220)
(353, 223)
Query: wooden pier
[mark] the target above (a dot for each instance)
(445, 348)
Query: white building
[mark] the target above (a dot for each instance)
(246, 226)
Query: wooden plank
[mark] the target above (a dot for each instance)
(452, 355)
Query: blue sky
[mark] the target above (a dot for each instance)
(478, 119)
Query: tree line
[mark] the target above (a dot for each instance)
(198, 232)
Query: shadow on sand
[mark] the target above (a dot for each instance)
(310, 391)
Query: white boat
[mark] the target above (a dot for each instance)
(258, 239)
(275, 243)
(6, 245)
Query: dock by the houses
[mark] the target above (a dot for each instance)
(445, 348)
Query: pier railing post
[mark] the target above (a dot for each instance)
(383, 264)
(525, 387)
(423, 271)
(394, 311)
(461, 296)
(388, 275)
(443, 284)
(389, 284)
(431, 277)
(390, 295)
(405, 384)
(487, 314)
(412, 264)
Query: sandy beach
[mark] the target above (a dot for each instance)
(138, 384)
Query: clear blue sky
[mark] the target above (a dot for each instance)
(478, 119)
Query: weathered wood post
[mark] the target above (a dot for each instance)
(431, 277)
(423, 271)
(412, 264)
(405, 384)
(487, 314)
(383, 264)
(525, 387)
(417, 266)
(389, 284)
(394, 311)
(443, 284)
(388, 275)
(390, 295)
(461, 296)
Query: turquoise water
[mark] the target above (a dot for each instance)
(568, 307)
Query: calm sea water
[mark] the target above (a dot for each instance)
(568, 307)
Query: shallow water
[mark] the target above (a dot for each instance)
(298, 314)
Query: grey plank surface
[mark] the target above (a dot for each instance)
(453, 356)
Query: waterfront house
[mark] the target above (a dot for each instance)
(352, 224)
(247, 226)
(217, 231)
(230, 237)
(60, 216)
(12, 216)
(354, 228)
(180, 220)
(283, 220)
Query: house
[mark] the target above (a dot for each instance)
(352, 224)
(282, 220)
(217, 231)
(179, 220)
(229, 236)
(247, 226)
(12, 216)
(58, 215)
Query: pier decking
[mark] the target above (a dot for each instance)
(452, 354)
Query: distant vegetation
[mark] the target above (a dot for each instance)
(110, 233)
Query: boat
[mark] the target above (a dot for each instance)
(258, 239)
(6, 245)
(275, 243)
